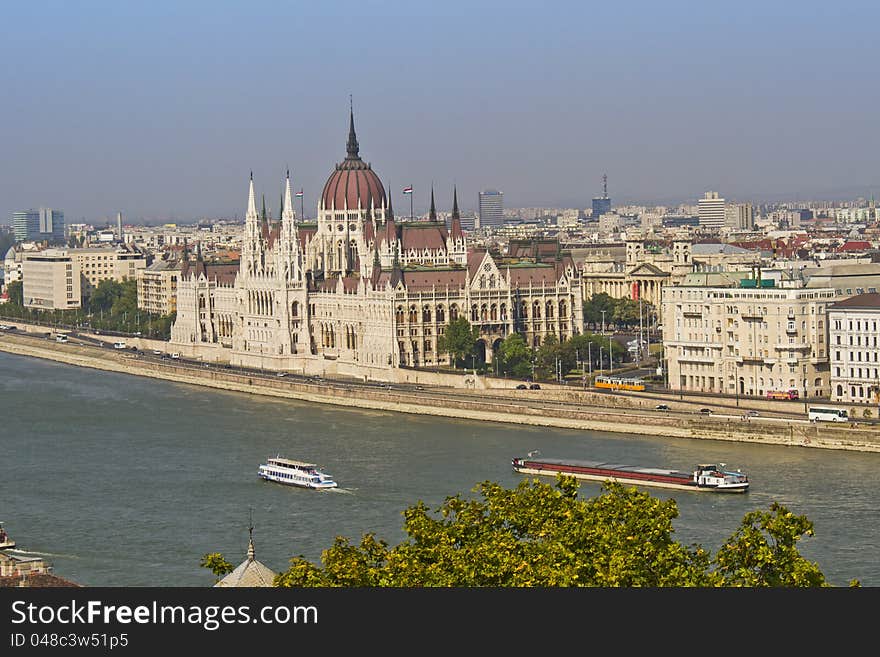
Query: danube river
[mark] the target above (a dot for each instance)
(127, 481)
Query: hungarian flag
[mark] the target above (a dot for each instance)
(299, 193)
(407, 190)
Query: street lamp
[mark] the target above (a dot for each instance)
(603, 322)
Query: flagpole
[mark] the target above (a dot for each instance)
(302, 216)
(410, 206)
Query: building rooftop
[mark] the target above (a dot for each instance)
(868, 301)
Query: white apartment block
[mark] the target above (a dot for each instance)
(854, 332)
(747, 340)
(50, 280)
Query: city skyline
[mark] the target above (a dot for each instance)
(161, 112)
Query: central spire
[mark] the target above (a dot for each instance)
(352, 146)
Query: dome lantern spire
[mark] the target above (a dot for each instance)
(352, 146)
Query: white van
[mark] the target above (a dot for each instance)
(119, 345)
(60, 338)
(175, 355)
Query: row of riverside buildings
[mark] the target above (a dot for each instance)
(751, 334)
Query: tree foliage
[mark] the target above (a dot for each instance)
(515, 356)
(15, 290)
(542, 535)
(459, 339)
(217, 564)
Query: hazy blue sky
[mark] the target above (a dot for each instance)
(161, 109)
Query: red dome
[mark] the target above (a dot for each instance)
(353, 183)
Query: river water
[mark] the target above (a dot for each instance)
(126, 481)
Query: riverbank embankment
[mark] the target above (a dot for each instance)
(570, 409)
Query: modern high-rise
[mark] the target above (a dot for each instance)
(490, 208)
(740, 216)
(43, 224)
(602, 204)
(711, 211)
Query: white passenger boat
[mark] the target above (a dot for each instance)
(295, 473)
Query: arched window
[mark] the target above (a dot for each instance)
(524, 310)
(840, 391)
(426, 314)
(536, 310)
(294, 309)
(493, 312)
(475, 313)
(453, 312)
(484, 314)
(549, 310)
(413, 315)
(441, 315)
(563, 310)
(399, 315)
(503, 312)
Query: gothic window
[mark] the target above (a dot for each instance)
(563, 310)
(484, 315)
(413, 315)
(503, 312)
(475, 313)
(492, 281)
(294, 309)
(536, 310)
(453, 312)
(482, 282)
(399, 315)
(493, 312)
(549, 312)
(441, 315)
(426, 314)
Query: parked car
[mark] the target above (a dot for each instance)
(752, 413)
(157, 352)
(661, 407)
(522, 386)
(534, 386)
(281, 374)
(706, 411)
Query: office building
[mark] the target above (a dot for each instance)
(602, 204)
(711, 211)
(739, 216)
(38, 225)
(50, 280)
(490, 207)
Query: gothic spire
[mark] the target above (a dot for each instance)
(390, 212)
(352, 146)
(287, 215)
(432, 215)
(252, 202)
(455, 228)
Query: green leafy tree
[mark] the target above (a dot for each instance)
(515, 356)
(545, 357)
(458, 340)
(595, 305)
(542, 535)
(763, 552)
(626, 312)
(105, 295)
(217, 564)
(15, 290)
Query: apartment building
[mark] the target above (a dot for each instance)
(157, 287)
(854, 333)
(747, 336)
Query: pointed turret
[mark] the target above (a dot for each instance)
(389, 213)
(252, 202)
(264, 221)
(432, 214)
(287, 214)
(455, 229)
